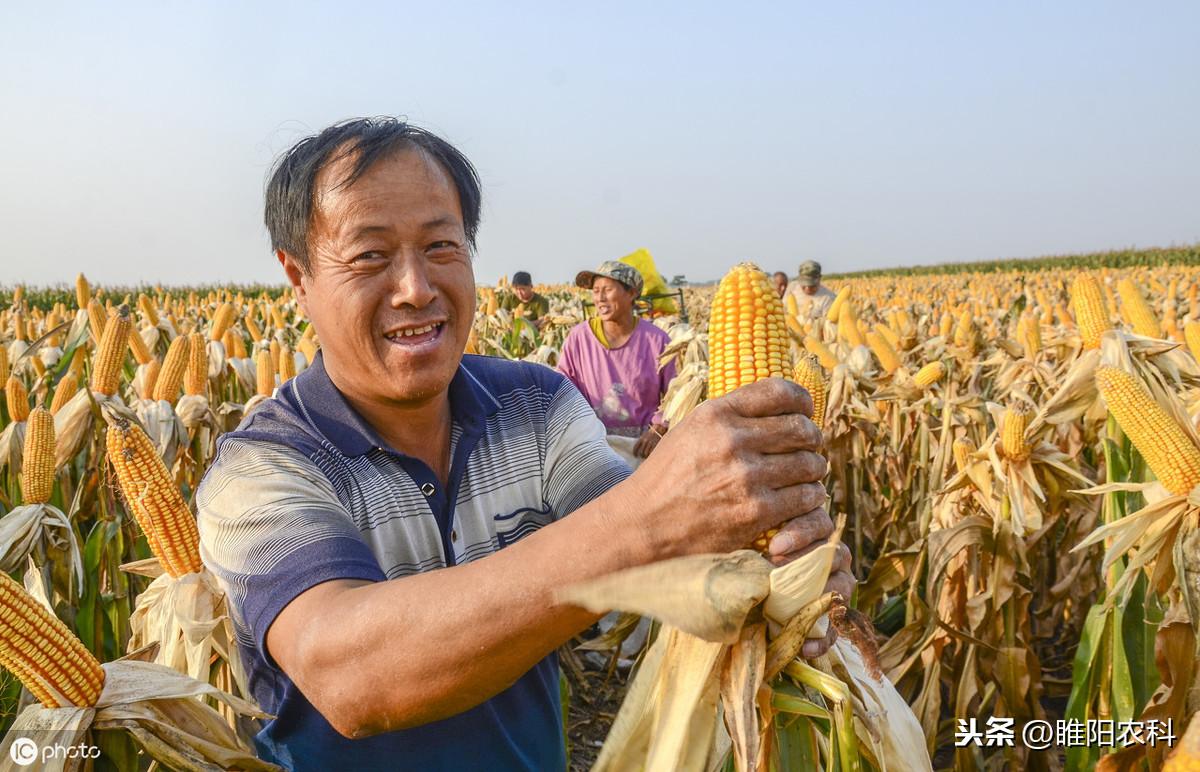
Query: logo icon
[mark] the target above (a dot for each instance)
(23, 751)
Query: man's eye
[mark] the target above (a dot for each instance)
(443, 245)
(369, 257)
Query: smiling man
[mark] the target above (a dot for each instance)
(391, 528)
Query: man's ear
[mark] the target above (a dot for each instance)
(296, 276)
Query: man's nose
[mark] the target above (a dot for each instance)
(411, 284)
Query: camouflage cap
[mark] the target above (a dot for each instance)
(615, 270)
(810, 273)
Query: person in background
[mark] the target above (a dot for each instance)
(613, 358)
(535, 305)
(813, 299)
(781, 282)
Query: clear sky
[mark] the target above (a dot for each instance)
(136, 137)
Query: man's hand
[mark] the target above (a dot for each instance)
(800, 536)
(737, 466)
(648, 441)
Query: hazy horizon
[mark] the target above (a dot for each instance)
(867, 136)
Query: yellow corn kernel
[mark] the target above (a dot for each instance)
(1136, 311)
(97, 318)
(835, 308)
(17, 398)
(929, 374)
(110, 354)
(195, 381)
(1012, 433)
(174, 367)
(83, 293)
(883, 351)
(808, 373)
(287, 365)
(137, 344)
(146, 306)
(222, 318)
(1169, 452)
(43, 653)
(154, 498)
(1091, 310)
(266, 370)
(37, 464)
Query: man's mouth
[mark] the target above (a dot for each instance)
(415, 337)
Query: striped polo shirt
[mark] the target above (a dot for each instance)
(306, 491)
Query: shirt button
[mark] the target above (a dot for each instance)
(454, 536)
(428, 489)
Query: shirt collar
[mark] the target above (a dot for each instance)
(322, 405)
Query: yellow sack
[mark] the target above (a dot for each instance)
(654, 284)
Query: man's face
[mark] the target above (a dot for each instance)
(811, 290)
(614, 301)
(781, 282)
(524, 292)
(391, 289)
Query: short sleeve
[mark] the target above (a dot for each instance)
(580, 464)
(271, 527)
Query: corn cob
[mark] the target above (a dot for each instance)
(21, 329)
(847, 326)
(222, 318)
(265, 381)
(287, 365)
(808, 373)
(1191, 334)
(83, 293)
(4, 368)
(747, 339)
(97, 318)
(253, 330)
(196, 375)
(962, 450)
(309, 348)
(835, 308)
(154, 498)
(41, 651)
(889, 334)
(1169, 452)
(929, 374)
(17, 398)
(1136, 311)
(37, 467)
(883, 351)
(1012, 433)
(274, 349)
(310, 331)
(965, 333)
(66, 388)
(822, 352)
(946, 325)
(1091, 311)
(110, 354)
(277, 318)
(170, 377)
(137, 344)
(146, 306)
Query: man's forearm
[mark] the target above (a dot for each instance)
(401, 653)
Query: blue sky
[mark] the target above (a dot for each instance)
(137, 136)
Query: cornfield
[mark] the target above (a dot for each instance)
(1014, 457)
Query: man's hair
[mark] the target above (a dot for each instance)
(291, 190)
(779, 273)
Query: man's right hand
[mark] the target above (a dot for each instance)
(737, 466)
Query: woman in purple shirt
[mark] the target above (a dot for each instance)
(613, 358)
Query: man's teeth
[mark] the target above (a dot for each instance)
(415, 331)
